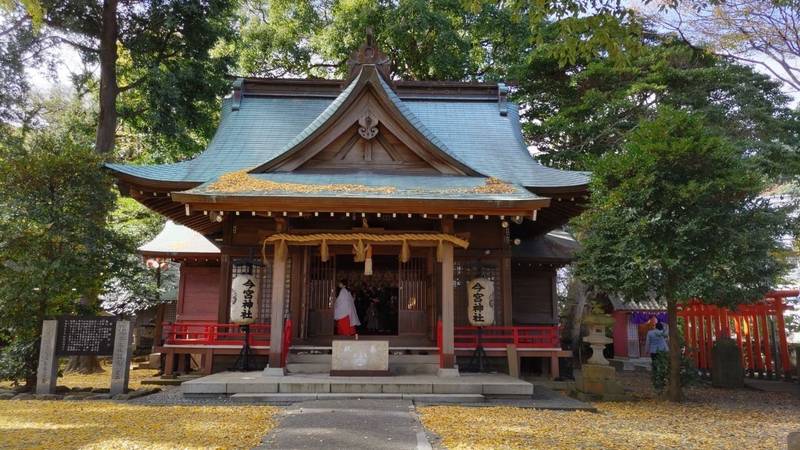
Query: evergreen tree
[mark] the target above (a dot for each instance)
(677, 214)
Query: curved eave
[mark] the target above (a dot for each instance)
(179, 255)
(310, 204)
(154, 184)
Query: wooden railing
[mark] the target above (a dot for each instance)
(499, 337)
(211, 333)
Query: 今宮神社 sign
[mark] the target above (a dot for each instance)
(244, 298)
(85, 336)
(480, 303)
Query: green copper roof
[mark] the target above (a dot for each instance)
(265, 127)
(422, 187)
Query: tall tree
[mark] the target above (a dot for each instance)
(54, 243)
(677, 214)
(426, 40)
(157, 70)
(763, 33)
(578, 112)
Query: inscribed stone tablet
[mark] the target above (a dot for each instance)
(360, 356)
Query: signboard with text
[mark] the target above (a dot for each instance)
(480, 302)
(85, 336)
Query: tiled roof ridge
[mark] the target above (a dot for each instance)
(340, 100)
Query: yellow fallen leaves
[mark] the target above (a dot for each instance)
(645, 424)
(241, 181)
(98, 380)
(105, 425)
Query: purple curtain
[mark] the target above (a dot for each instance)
(640, 317)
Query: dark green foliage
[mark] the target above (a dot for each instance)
(679, 208)
(54, 244)
(579, 112)
(677, 214)
(169, 79)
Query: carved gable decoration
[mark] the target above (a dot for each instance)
(367, 131)
(368, 126)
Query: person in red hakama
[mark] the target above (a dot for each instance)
(344, 312)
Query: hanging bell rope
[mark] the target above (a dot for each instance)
(440, 251)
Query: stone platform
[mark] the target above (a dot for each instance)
(468, 386)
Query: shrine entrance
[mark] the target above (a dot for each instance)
(396, 300)
(376, 295)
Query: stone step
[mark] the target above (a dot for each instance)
(397, 359)
(292, 398)
(308, 358)
(308, 367)
(394, 368)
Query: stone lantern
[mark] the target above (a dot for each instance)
(597, 379)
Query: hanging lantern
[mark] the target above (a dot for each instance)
(244, 298)
(480, 305)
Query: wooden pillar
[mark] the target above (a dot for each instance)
(224, 288)
(784, 347)
(505, 270)
(276, 312)
(447, 360)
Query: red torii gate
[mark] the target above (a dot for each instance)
(749, 325)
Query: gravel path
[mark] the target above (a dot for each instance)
(349, 424)
(171, 395)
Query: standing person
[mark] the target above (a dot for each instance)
(344, 312)
(656, 341)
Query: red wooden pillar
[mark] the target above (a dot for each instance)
(707, 337)
(698, 335)
(751, 366)
(759, 362)
(766, 338)
(784, 348)
(621, 334)
(737, 328)
(687, 326)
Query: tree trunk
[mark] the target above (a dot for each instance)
(107, 122)
(674, 392)
(578, 292)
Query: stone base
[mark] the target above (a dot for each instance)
(154, 361)
(274, 371)
(598, 382)
(447, 373)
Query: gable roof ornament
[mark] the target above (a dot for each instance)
(368, 126)
(368, 54)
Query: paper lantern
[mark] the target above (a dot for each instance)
(480, 304)
(244, 298)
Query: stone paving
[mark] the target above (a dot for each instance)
(348, 424)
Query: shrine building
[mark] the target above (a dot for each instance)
(407, 190)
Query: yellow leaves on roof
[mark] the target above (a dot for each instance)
(105, 425)
(241, 181)
(494, 186)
